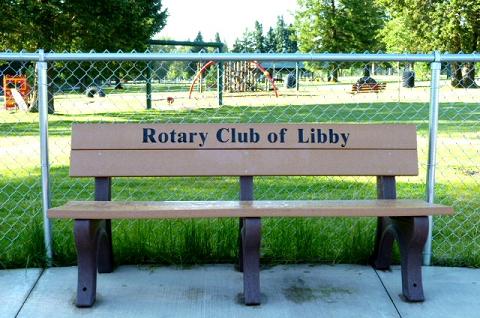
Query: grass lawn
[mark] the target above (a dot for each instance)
(332, 240)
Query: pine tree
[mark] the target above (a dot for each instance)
(281, 35)
(258, 38)
(219, 40)
(270, 42)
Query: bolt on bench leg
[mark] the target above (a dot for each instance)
(86, 239)
(251, 236)
(412, 234)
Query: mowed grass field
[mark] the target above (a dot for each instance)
(287, 240)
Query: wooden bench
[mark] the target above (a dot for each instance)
(104, 151)
(368, 88)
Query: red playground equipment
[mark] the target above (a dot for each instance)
(255, 63)
(16, 91)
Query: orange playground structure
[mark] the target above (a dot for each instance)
(16, 91)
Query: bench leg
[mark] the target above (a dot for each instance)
(412, 234)
(86, 239)
(251, 235)
(105, 253)
(382, 253)
(246, 194)
(239, 265)
(103, 192)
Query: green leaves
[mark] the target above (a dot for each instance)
(280, 39)
(444, 25)
(338, 26)
(80, 24)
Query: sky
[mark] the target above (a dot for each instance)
(229, 18)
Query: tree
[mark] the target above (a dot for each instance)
(270, 42)
(78, 25)
(284, 39)
(280, 39)
(218, 39)
(444, 25)
(237, 46)
(193, 67)
(246, 43)
(338, 26)
(257, 37)
(199, 39)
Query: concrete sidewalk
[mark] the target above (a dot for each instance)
(215, 291)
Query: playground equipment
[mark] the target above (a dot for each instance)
(217, 45)
(238, 76)
(16, 91)
(94, 90)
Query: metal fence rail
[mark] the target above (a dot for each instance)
(179, 87)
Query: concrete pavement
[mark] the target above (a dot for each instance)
(215, 291)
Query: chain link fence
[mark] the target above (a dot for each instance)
(228, 88)
(21, 235)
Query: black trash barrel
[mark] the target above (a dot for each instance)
(290, 81)
(408, 79)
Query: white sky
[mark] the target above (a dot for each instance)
(229, 18)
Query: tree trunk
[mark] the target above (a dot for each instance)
(33, 100)
(468, 80)
(366, 71)
(456, 75)
(334, 74)
(50, 88)
(118, 83)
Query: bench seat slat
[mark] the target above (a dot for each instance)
(209, 209)
(235, 162)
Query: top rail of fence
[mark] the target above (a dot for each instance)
(294, 57)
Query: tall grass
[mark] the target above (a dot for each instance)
(331, 240)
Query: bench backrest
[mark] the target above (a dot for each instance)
(110, 150)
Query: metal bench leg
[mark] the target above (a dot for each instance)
(382, 254)
(86, 239)
(412, 234)
(105, 254)
(251, 236)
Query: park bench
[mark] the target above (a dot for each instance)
(104, 151)
(368, 88)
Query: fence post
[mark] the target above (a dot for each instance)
(148, 87)
(43, 123)
(220, 80)
(435, 67)
(297, 77)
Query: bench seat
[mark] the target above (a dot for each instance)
(368, 88)
(257, 208)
